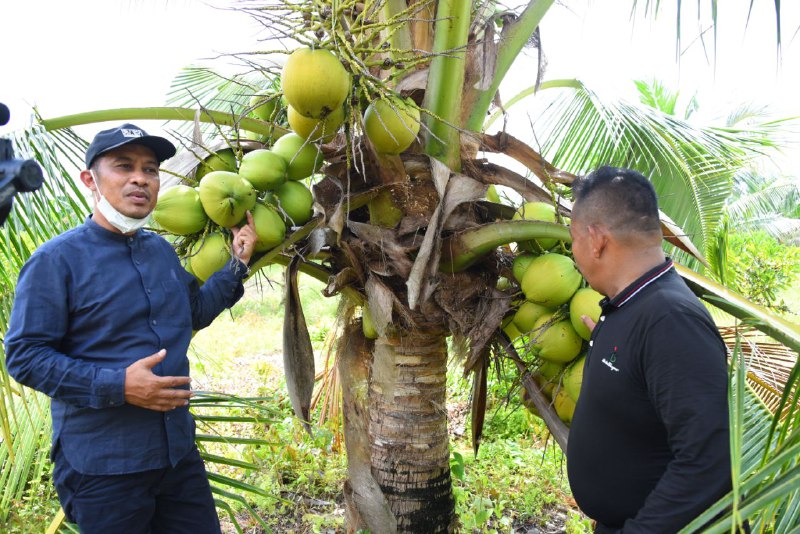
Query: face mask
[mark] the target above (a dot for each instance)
(121, 222)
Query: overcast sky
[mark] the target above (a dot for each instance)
(69, 57)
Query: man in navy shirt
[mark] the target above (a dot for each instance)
(101, 323)
(649, 443)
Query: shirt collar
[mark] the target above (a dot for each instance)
(625, 296)
(98, 230)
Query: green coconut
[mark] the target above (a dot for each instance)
(270, 229)
(222, 160)
(315, 130)
(503, 283)
(492, 195)
(264, 169)
(527, 315)
(295, 199)
(521, 264)
(585, 301)
(179, 210)
(558, 342)
(573, 378)
(368, 324)
(303, 157)
(391, 124)
(550, 370)
(314, 82)
(508, 326)
(263, 105)
(208, 256)
(564, 406)
(537, 211)
(226, 197)
(550, 280)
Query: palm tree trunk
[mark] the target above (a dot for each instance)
(407, 392)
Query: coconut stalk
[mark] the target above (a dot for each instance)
(445, 82)
(462, 250)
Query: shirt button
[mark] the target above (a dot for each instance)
(130, 240)
(155, 322)
(149, 291)
(602, 317)
(137, 262)
(591, 343)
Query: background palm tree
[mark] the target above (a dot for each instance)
(396, 430)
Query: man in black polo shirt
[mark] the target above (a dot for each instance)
(649, 443)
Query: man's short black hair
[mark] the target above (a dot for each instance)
(623, 200)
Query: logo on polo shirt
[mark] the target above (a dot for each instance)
(128, 132)
(611, 360)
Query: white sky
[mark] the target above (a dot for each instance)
(70, 57)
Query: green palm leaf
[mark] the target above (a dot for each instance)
(35, 218)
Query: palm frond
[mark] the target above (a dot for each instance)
(691, 168)
(203, 87)
(35, 218)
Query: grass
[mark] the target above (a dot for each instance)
(517, 480)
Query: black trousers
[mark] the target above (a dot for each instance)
(171, 500)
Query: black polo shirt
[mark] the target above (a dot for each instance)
(649, 443)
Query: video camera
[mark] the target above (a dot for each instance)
(16, 175)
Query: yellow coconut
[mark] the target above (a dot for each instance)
(585, 301)
(573, 378)
(510, 328)
(550, 280)
(316, 130)
(564, 406)
(314, 82)
(391, 124)
(368, 324)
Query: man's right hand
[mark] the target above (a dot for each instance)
(145, 389)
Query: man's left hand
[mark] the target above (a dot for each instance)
(244, 240)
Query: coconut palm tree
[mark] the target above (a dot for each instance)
(409, 238)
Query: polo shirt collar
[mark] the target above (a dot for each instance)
(638, 285)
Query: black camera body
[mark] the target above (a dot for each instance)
(16, 175)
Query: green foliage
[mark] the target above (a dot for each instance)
(760, 267)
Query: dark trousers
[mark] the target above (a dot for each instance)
(171, 500)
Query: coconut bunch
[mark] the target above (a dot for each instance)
(267, 182)
(317, 86)
(547, 319)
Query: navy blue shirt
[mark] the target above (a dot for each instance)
(649, 444)
(88, 304)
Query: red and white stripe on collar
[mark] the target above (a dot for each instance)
(644, 283)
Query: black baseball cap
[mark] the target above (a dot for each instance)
(126, 134)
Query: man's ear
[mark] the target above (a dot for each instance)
(88, 180)
(598, 238)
